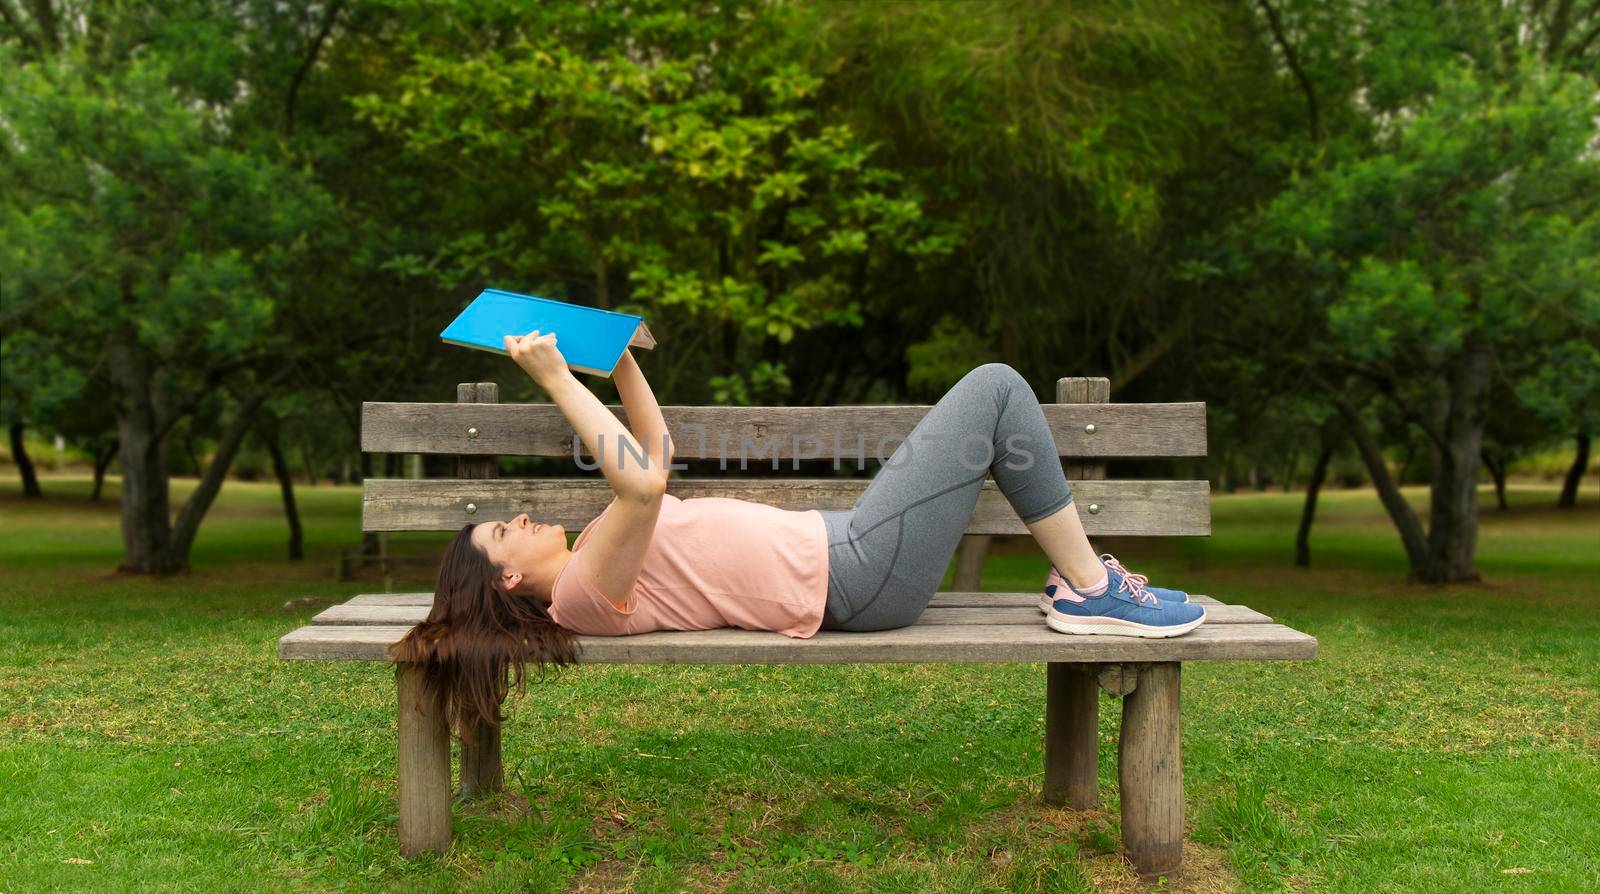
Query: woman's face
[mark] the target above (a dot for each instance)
(520, 547)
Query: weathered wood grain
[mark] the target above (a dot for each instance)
(716, 432)
(423, 766)
(1150, 772)
(1087, 391)
(921, 643)
(1119, 679)
(1071, 736)
(1126, 508)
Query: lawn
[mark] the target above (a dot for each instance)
(1444, 740)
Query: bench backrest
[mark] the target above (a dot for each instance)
(477, 429)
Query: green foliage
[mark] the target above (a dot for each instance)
(1056, 133)
(767, 383)
(949, 352)
(1564, 390)
(1477, 216)
(692, 168)
(1426, 231)
(130, 212)
(39, 378)
(813, 202)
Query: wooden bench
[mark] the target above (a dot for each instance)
(958, 627)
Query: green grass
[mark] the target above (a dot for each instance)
(1442, 738)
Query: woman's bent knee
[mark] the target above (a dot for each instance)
(998, 373)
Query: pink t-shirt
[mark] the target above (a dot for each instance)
(711, 562)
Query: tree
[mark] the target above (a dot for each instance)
(1433, 237)
(149, 237)
(1564, 392)
(1062, 136)
(640, 155)
(269, 431)
(1465, 247)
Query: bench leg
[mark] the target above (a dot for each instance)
(1150, 772)
(1071, 730)
(481, 771)
(424, 767)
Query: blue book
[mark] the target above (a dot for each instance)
(591, 339)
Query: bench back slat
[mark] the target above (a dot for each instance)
(1125, 507)
(851, 433)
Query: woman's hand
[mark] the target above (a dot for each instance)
(538, 356)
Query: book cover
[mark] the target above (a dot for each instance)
(591, 339)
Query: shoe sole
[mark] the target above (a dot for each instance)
(1118, 627)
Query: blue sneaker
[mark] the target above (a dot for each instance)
(1127, 608)
(1056, 581)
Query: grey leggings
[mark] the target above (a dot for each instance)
(888, 553)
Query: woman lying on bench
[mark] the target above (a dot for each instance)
(513, 591)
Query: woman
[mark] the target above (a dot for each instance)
(512, 591)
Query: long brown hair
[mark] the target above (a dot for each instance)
(476, 630)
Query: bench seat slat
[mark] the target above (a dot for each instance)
(921, 643)
(1120, 430)
(1019, 612)
(1126, 507)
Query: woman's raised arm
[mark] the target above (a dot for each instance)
(616, 550)
(644, 414)
(612, 445)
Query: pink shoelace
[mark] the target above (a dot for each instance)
(1133, 584)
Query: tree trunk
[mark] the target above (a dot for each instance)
(1400, 512)
(1497, 471)
(102, 461)
(1453, 512)
(19, 455)
(146, 518)
(280, 467)
(1308, 512)
(1580, 464)
(1458, 443)
(152, 543)
(194, 509)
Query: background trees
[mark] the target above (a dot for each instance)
(670, 159)
(155, 245)
(1437, 237)
(225, 224)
